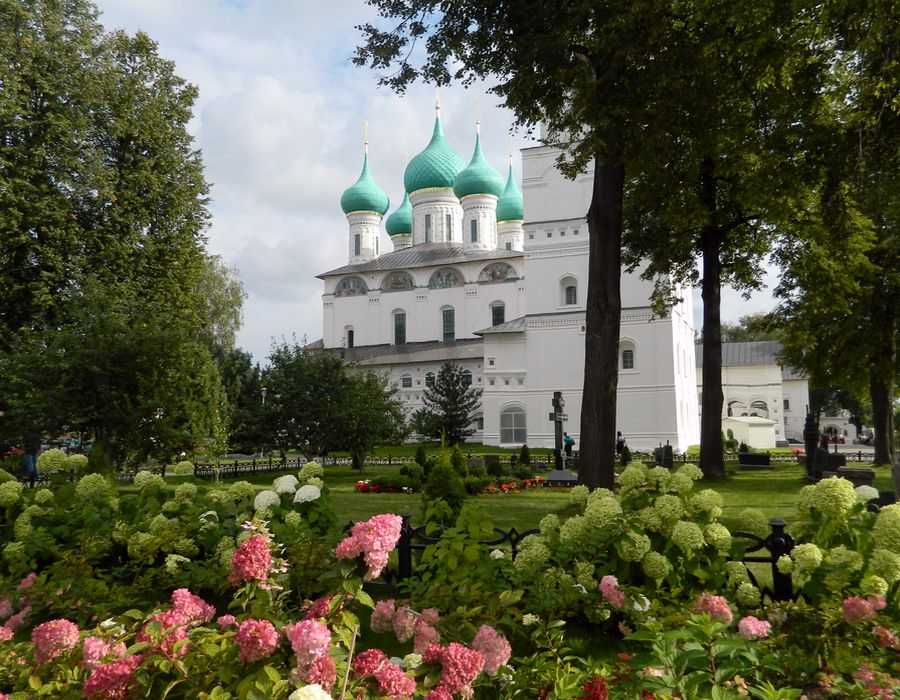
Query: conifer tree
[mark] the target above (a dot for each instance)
(451, 406)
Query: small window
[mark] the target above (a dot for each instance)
(473, 233)
(571, 295)
(429, 379)
(498, 313)
(549, 234)
(787, 405)
(376, 246)
(399, 328)
(357, 246)
(490, 362)
(628, 359)
(480, 422)
(448, 321)
(428, 228)
(513, 427)
(509, 245)
(350, 338)
(449, 220)
(575, 232)
(467, 377)
(530, 236)
(406, 381)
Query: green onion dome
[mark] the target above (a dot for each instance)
(400, 222)
(436, 166)
(511, 207)
(364, 194)
(478, 177)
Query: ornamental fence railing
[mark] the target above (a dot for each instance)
(759, 550)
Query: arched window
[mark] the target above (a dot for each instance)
(429, 379)
(498, 313)
(399, 281)
(399, 327)
(626, 354)
(497, 272)
(448, 324)
(513, 427)
(568, 291)
(467, 377)
(737, 408)
(406, 381)
(349, 336)
(445, 278)
(350, 287)
(759, 409)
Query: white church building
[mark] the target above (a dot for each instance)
(496, 281)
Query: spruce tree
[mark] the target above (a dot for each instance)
(451, 406)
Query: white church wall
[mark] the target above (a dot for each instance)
(795, 402)
(548, 195)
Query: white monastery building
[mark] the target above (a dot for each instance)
(496, 281)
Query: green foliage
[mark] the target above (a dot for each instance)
(184, 468)
(415, 473)
(6, 476)
(625, 458)
(451, 406)
(77, 463)
(444, 483)
(52, 461)
(421, 456)
(494, 466)
(98, 460)
(524, 455)
(458, 460)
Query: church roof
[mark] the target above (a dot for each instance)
(400, 222)
(424, 255)
(749, 353)
(511, 206)
(429, 351)
(515, 325)
(436, 166)
(365, 194)
(478, 177)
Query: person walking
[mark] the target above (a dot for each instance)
(620, 443)
(29, 461)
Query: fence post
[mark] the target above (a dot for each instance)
(779, 543)
(404, 550)
(859, 456)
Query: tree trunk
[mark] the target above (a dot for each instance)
(711, 449)
(596, 465)
(882, 361)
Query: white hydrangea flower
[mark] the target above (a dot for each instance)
(397, 661)
(307, 493)
(641, 603)
(285, 484)
(530, 619)
(497, 554)
(866, 493)
(411, 661)
(266, 499)
(310, 692)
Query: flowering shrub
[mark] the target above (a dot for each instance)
(52, 461)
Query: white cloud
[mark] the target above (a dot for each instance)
(279, 121)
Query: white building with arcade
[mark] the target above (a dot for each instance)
(495, 281)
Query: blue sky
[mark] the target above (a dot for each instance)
(280, 121)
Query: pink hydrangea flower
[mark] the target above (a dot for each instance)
(319, 608)
(367, 663)
(174, 630)
(17, 620)
(309, 640)
(715, 606)
(5, 634)
(95, 649)
(251, 561)
(493, 646)
(430, 616)
(609, 587)
(28, 581)
(6, 608)
(382, 619)
(751, 627)
(878, 602)
(54, 638)
(375, 539)
(404, 624)
(257, 640)
(886, 638)
(460, 666)
(226, 621)
(112, 681)
(857, 609)
(394, 683)
(439, 692)
(192, 607)
(425, 636)
(322, 671)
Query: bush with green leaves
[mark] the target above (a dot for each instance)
(444, 483)
(53, 461)
(415, 473)
(184, 468)
(458, 460)
(525, 455)
(77, 463)
(494, 466)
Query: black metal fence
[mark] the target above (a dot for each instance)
(759, 551)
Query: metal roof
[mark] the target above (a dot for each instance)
(430, 351)
(754, 352)
(424, 255)
(515, 325)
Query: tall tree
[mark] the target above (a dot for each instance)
(451, 406)
(589, 72)
(751, 327)
(727, 163)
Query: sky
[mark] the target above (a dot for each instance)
(279, 120)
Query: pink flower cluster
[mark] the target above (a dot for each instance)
(251, 561)
(187, 610)
(857, 609)
(609, 587)
(375, 539)
(392, 682)
(15, 620)
(322, 671)
(406, 624)
(6, 608)
(880, 685)
(753, 628)
(27, 582)
(112, 681)
(318, 609)
(226, 621)
(54, 638)
(310, 640)
(192, 607)
(95, 649)
(6, 634)
(886, 638)
(460, 666)
(493, 646)
(715, 606)
(257, 639)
